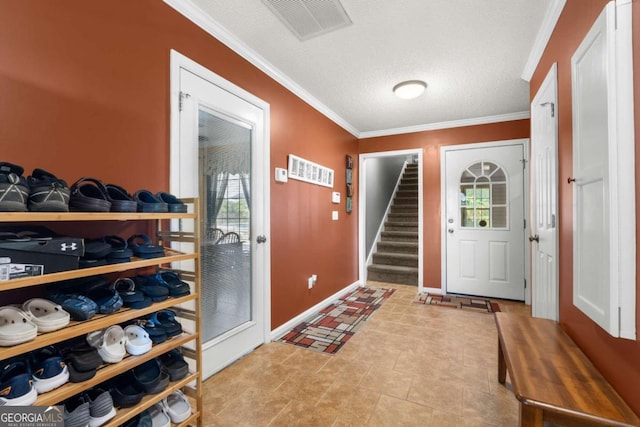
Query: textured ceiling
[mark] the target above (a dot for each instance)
(471, 53)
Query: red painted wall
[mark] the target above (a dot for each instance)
(84, 91)
(430, 143)
(617, 359)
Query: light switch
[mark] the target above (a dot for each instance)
(281, 175)
(334, 215)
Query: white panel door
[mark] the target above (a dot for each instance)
(544, 199)
(485, 221)
(222, 157)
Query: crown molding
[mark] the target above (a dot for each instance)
(196, 15)
(447, 125)
(544, 34)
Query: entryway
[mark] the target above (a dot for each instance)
(220, 154)
(483, 216)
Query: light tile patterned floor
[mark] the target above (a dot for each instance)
(409, 365)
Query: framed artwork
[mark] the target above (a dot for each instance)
(307, 171)
(349, 176)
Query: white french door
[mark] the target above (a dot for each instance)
(544, 199)
(222, 157)
(484, 220)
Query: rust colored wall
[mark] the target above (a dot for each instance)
(84, 91)
(430, 143)
(617, 359)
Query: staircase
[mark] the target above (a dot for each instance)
(396, 257)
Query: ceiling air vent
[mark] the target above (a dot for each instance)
(310, 18)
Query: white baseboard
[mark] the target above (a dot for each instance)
(286, 327)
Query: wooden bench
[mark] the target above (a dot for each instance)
(553, 379)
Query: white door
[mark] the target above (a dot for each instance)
(223, 151)
(544, 199)
(485, 221)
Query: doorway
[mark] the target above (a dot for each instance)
(484, 219)
(220, 154)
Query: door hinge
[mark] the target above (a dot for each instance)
(524, 163)
(525, 223)
(525, 283)
(181, 98)
(553, 107)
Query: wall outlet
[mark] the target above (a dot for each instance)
(334, 215)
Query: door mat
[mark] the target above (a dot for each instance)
(455, 301)
(334, 325)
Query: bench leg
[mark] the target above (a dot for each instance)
(530, 416)
(502, 365)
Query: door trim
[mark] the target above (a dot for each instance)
(362, 252)
(443, 206)
(179, 61)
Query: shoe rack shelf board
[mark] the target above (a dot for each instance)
(187, 307)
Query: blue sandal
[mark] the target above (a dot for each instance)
(142, 247)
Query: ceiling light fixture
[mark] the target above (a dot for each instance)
(409, 89)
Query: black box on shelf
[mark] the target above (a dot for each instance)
(34, 257)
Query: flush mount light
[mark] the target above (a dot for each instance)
(409, 89)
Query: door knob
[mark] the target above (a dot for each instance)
(535, 238)
(261, 239)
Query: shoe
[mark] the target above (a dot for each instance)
(121, 200)
(47, 193)
(14, 190)
(142, 247)
(89, 195)
(16, 384)
(82, 360)
(125, 391)
(138, 341)
(147, 375)
(49, 369)
(107, 299)
(78, 306)
(166, 319)
(120, 251)
(16, 326)
(171, 280)
(177, 406)
(76, 412)
(147, 202)
(156, 333)
(110, 343)
(143, 419)
(173, 203)
(151, 289)
(159, 416)
(174, 364)
(131, 297)
(101, 407)
(47, 315)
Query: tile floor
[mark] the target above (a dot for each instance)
(409, 365)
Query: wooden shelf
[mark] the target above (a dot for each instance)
(171, 256)
(100, 321)
(150, 400)
(89, 216)
(109, 371)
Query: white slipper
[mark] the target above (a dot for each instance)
(110, 343)
(159, 416)
(15, 326)
(138, 341)
(177, 406)
(47, 315)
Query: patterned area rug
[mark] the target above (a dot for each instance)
(462, 302)
(330, 329)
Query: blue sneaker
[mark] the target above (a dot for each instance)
(78, 306)
(49, 369)
(16, 384)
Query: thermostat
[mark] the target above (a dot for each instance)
(335, 197)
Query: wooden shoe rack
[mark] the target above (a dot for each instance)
(175, 231)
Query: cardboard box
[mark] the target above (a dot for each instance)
(35, 257)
